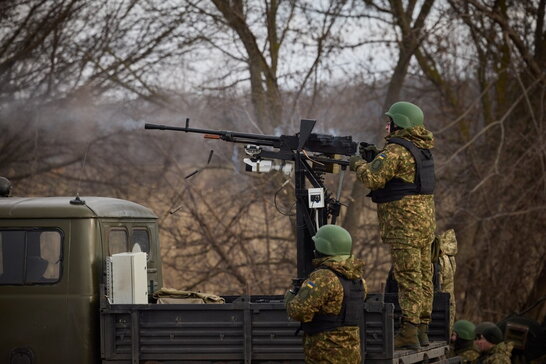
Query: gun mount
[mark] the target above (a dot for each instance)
(312, 155)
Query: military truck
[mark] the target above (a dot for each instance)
(53, 306)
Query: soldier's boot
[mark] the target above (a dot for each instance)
(407, 338)
(422, 334)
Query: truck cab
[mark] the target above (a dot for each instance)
(52, 264)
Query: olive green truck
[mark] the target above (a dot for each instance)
(54, 309)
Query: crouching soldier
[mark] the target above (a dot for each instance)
(329, 304)
(462, 341)
(493, 349)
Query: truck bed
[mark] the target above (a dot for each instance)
(248, 329)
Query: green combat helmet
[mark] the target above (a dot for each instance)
(490, 331)
(464, 329)
(405, 114)
(333, 240)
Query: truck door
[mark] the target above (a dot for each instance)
(32, 296)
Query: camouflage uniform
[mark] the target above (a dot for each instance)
(407, 224)
(322, 293)
(468, 353)
(446, 260)
(499, 354)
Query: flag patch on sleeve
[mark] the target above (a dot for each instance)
(311, 284)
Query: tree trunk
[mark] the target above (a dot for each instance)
(265, 94)
(408, 46)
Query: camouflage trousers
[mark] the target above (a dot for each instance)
(413, 272)
(339, 346)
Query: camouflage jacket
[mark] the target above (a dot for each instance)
(468, 354)
(499, 354)
(409, 220)
(322, 293)
(446, 259)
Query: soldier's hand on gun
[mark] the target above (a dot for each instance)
(294, 290)
(296, 284)
(353, 160)
(367, 151)
(291, 293)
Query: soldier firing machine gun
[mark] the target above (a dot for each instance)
(325, 158)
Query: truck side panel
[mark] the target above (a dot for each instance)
(253, 329)
(236, 331)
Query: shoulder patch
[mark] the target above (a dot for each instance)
(377, 164)
(311, 284)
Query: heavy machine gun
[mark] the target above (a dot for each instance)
(312, 155)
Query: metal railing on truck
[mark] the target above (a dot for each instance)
(249, 329)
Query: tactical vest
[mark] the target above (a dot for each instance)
(352, 308)
(423, 184)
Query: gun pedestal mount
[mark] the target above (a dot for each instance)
(325, 150)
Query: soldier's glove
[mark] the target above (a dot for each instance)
(367, 151)
(353, 160)
(294, 290)
(296, 285)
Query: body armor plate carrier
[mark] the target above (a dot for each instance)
(352, 308)
(397, 188)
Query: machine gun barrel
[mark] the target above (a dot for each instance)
(229, 136)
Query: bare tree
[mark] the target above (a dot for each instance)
(411, 33)
(269, 42)
(228, 240)
(409, 20)
(57, 58)
(494, 161)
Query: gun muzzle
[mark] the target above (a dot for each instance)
(154, 126)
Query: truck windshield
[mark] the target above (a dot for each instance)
(30, 256)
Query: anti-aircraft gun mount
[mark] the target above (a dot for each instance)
(312, 155)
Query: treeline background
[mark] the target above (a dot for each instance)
(79, 78)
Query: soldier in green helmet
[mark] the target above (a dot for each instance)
(329, 304)
(490, 342)
(462, 341)
(401, 180)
